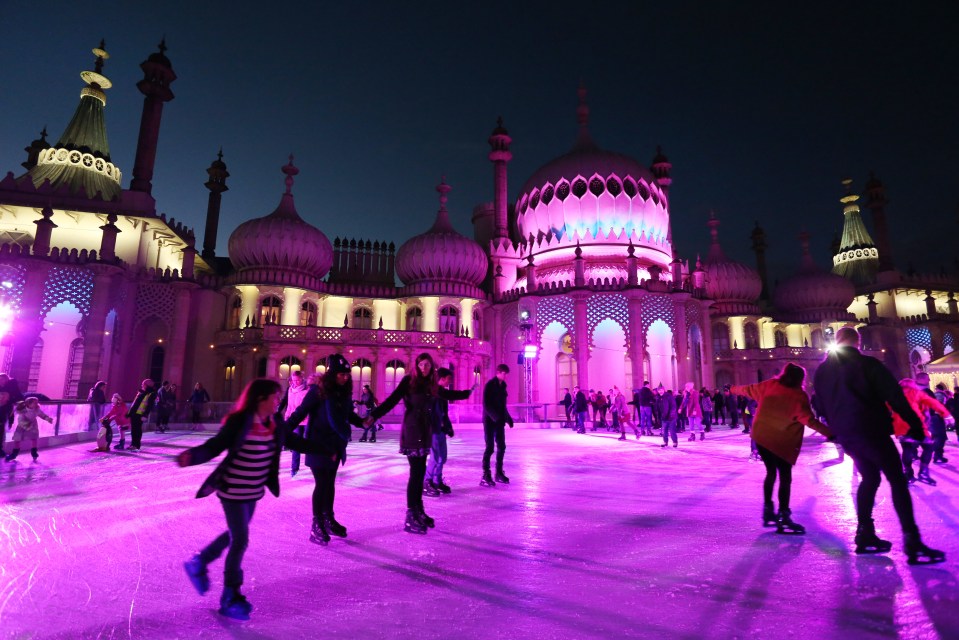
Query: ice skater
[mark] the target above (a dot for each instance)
(923, 405)
(328, 410)
(621, 409)
(254, 435)
(292, 399)
(28, 429)
(852, 391)
(782, 410)
(418, 391)
(364, 405)
(139, 411)
(666, 405)
(442, 429)
(118, 414)
(692, 411)
(495, 418)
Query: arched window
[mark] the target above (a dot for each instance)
(157, 356)
(362, 370)
(362, 319)
(477, 324)
(270, 309)
(751, 335)
(307, 314)
(74, 366)
(720, 335)
(781, 340)
(566, 377)
(414, 318)
(236, 310)
(395, 370)
(321, 366)
(288, 365)
(477, 375)
(449, 319)
(229, 376)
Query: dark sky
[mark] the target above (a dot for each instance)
(761, 111)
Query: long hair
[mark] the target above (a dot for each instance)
(792, 376)
(254, 393)
(334, 391)
(419, 382)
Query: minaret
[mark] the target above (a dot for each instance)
(758, 236)
(661, 169)
(857, 258)
(499, 142)
(217, 185)
(33, 151)
(157, 76)
(876, 201)
(81, 157)
(584, 139)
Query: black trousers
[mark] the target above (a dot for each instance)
(236, 537)
(324, 489)
(414, 488)
(776, 465)
(494, 435)
(938, 430)
(910, 451)
(872, 460)
(136, 430)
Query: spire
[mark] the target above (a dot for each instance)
(758, 237)
(806, 263)
(81, 157)
(715, 251)
(857, 258)
(286, 208)
(158, 74)
(876, 201)
(500, 155)
(217, 185)
(584, 140)
(442, 223)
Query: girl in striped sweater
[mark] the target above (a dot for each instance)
(254, 435)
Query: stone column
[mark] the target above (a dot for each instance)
(290, 314)
(581, 338)
(94, 337)
(637, 337)
(681, 338)
(176, 353)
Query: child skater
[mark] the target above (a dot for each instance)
(27, 428)
(442, 429)
(118, 414)
(253, 434)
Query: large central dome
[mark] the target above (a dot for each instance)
(591, 191)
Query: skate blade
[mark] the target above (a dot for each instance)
(920, 560)
(872, 550)
(319, 541)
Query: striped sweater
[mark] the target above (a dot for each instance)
(247, 473)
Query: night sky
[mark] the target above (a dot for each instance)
(762, 113)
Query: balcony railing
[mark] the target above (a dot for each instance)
(351, 337)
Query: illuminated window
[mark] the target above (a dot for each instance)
(270, 309)
(477, 325)
(751, 334)
(562, 190)
(579, 188)
(395, 370)
(781, 340)
(288, 365)
(449, 319)
(548, 194)
(229, 376)
(720, 335)
(308, 314)
(362, 318)
(477, 375)
(74, 366)
(362, 370)
(414, 318)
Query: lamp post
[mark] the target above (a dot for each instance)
(530, 352)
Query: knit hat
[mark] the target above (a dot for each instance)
(337, 364)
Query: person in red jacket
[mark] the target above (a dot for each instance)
(778, 431)
(922, 403)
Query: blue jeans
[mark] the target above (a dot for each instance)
(646, 419)
(434, 467)
(669, 428)
(236, 537)
(581, 418)
(695, 424)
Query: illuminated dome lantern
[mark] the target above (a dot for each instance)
(281, 241)
(441, 254)
(814, 295)
(734, 286)
(602, 200)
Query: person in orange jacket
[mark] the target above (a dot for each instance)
(922, 403)
(778, 432)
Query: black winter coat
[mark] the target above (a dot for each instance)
(851, 395)
(416, 433)
(232, 435)
(328, 424)
(495, 412)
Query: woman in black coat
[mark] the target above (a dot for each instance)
(254, 435)
(419, 392)
(328, 409)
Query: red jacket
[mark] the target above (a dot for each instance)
(920, 401)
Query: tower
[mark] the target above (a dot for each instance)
(499, 142)
(758, 236)
(155, 86)
(661, 169)
(857, 258)
(217, 185)
(876, 201)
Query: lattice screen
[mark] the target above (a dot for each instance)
(12, 279)
(658, 308)
(155, 300)
(549, 310)
(919, 337)
(607, 305)
(68, 284)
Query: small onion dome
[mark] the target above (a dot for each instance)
(441, 254)
(814, 294)
(734, 286)
(281, 240)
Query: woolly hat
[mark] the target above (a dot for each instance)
(337, 364)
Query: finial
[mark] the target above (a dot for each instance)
(290, 171)
(630, 250)
(219, 155)
(101, 55)
(442, 188)
(43, 134)
(579, 251)
(162, 45)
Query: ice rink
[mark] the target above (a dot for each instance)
(594, 538)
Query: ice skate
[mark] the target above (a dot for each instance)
(413, 524)
(501, 477)
(925, 478)
(318, 533)
(196, 572)
(120, 446)
(332, 526)
(12, 455)
(425, 519)
(34, 454)
(919, 553)
(234, 605)
(622, 437)
(702, 436)
(868, 542)
(785, 524)
(692, 437)
(431, 489)
(443, 487)
(770, 519)
(363, 439)
(940, 460)
(373, 437)
(487, 480)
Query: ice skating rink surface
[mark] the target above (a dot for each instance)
(593, 538)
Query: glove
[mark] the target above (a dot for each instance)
(950, 421)
(510, 423)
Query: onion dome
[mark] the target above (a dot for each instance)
(734, 286)
(591, 190)
(857, 258)
(813, 294)
(441, 254)
(281, 240)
